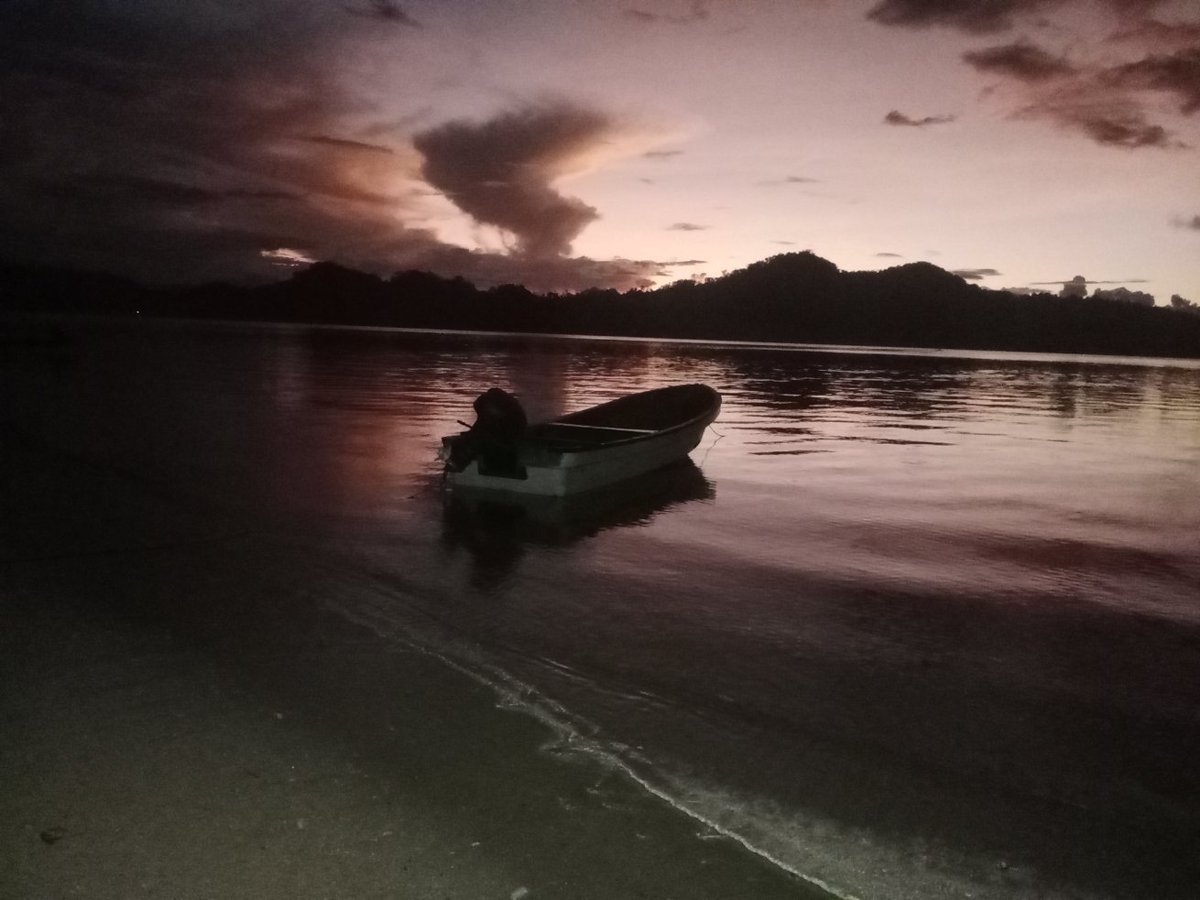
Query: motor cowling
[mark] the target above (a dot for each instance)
(499, 415)
(499, 422)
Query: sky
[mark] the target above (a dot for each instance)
(568, 144)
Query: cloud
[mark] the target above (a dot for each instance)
(558, 273)
(347, 144)
(1175, 73)
(1159, 36)
(387, 10)
(1124, 295)
(891, 255)
(1076, 287)
(190, 146)
(1108, 119)
(687, 226)
(196, 150)
(500, 171)
(1192, 224)
(788, 179)
(661, 154)
(1108, 100)
(1105, 100)
(1131, 133)
(895, 117)
(974, 274)
(1021, 60)
(1079, 283)
(697, 12)
(973, 16)
(287, 257)
(989, 16)
(138, 189)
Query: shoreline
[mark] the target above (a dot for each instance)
(847, 349)
(178, 723)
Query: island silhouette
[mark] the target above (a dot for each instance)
(791, 297)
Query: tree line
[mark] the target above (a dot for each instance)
(793, 297)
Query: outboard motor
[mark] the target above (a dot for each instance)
(498, 415)
(499, 421)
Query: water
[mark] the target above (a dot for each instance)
(912, 624)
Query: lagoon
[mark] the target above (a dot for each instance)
(911, 624)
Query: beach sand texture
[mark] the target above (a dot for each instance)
(181, 719)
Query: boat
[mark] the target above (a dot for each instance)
(584, 450)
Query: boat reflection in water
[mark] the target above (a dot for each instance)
(496, 527)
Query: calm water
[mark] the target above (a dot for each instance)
(912, 625)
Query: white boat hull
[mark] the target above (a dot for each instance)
(573, 473)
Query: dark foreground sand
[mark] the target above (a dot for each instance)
(179, 718)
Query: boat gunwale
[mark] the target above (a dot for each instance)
(710, 411)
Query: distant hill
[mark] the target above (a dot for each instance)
(794, 297)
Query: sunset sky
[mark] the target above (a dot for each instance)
(574, 143)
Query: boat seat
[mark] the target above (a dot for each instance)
(601, 428)
(567, 436)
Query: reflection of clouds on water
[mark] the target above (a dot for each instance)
(496, 528)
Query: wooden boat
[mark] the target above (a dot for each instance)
(587, 449)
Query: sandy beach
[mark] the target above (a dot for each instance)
(182, 721)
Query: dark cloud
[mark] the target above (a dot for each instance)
(347, 144)
(989, 16)
(1159, 36)
(687, 226)
(891, 255)
(500, 171)
(1109, 121)
(1134, 10)
(188, 147)
(661, 154)
(1079, 281)
(697, 12)
(1176, 73)
(1124, 295)
(177, 148)
(974, 274)
(1076, 287)
(1021, 60)
(1130, 133)
(1193, 223)
(1108, 101)
(387, 10)
(974, 16)
(136, 189)
(895, 117)
(557, 273)
(1105, 100)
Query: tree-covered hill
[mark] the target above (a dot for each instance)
(794, 297)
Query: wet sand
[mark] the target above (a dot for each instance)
(182, 718)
